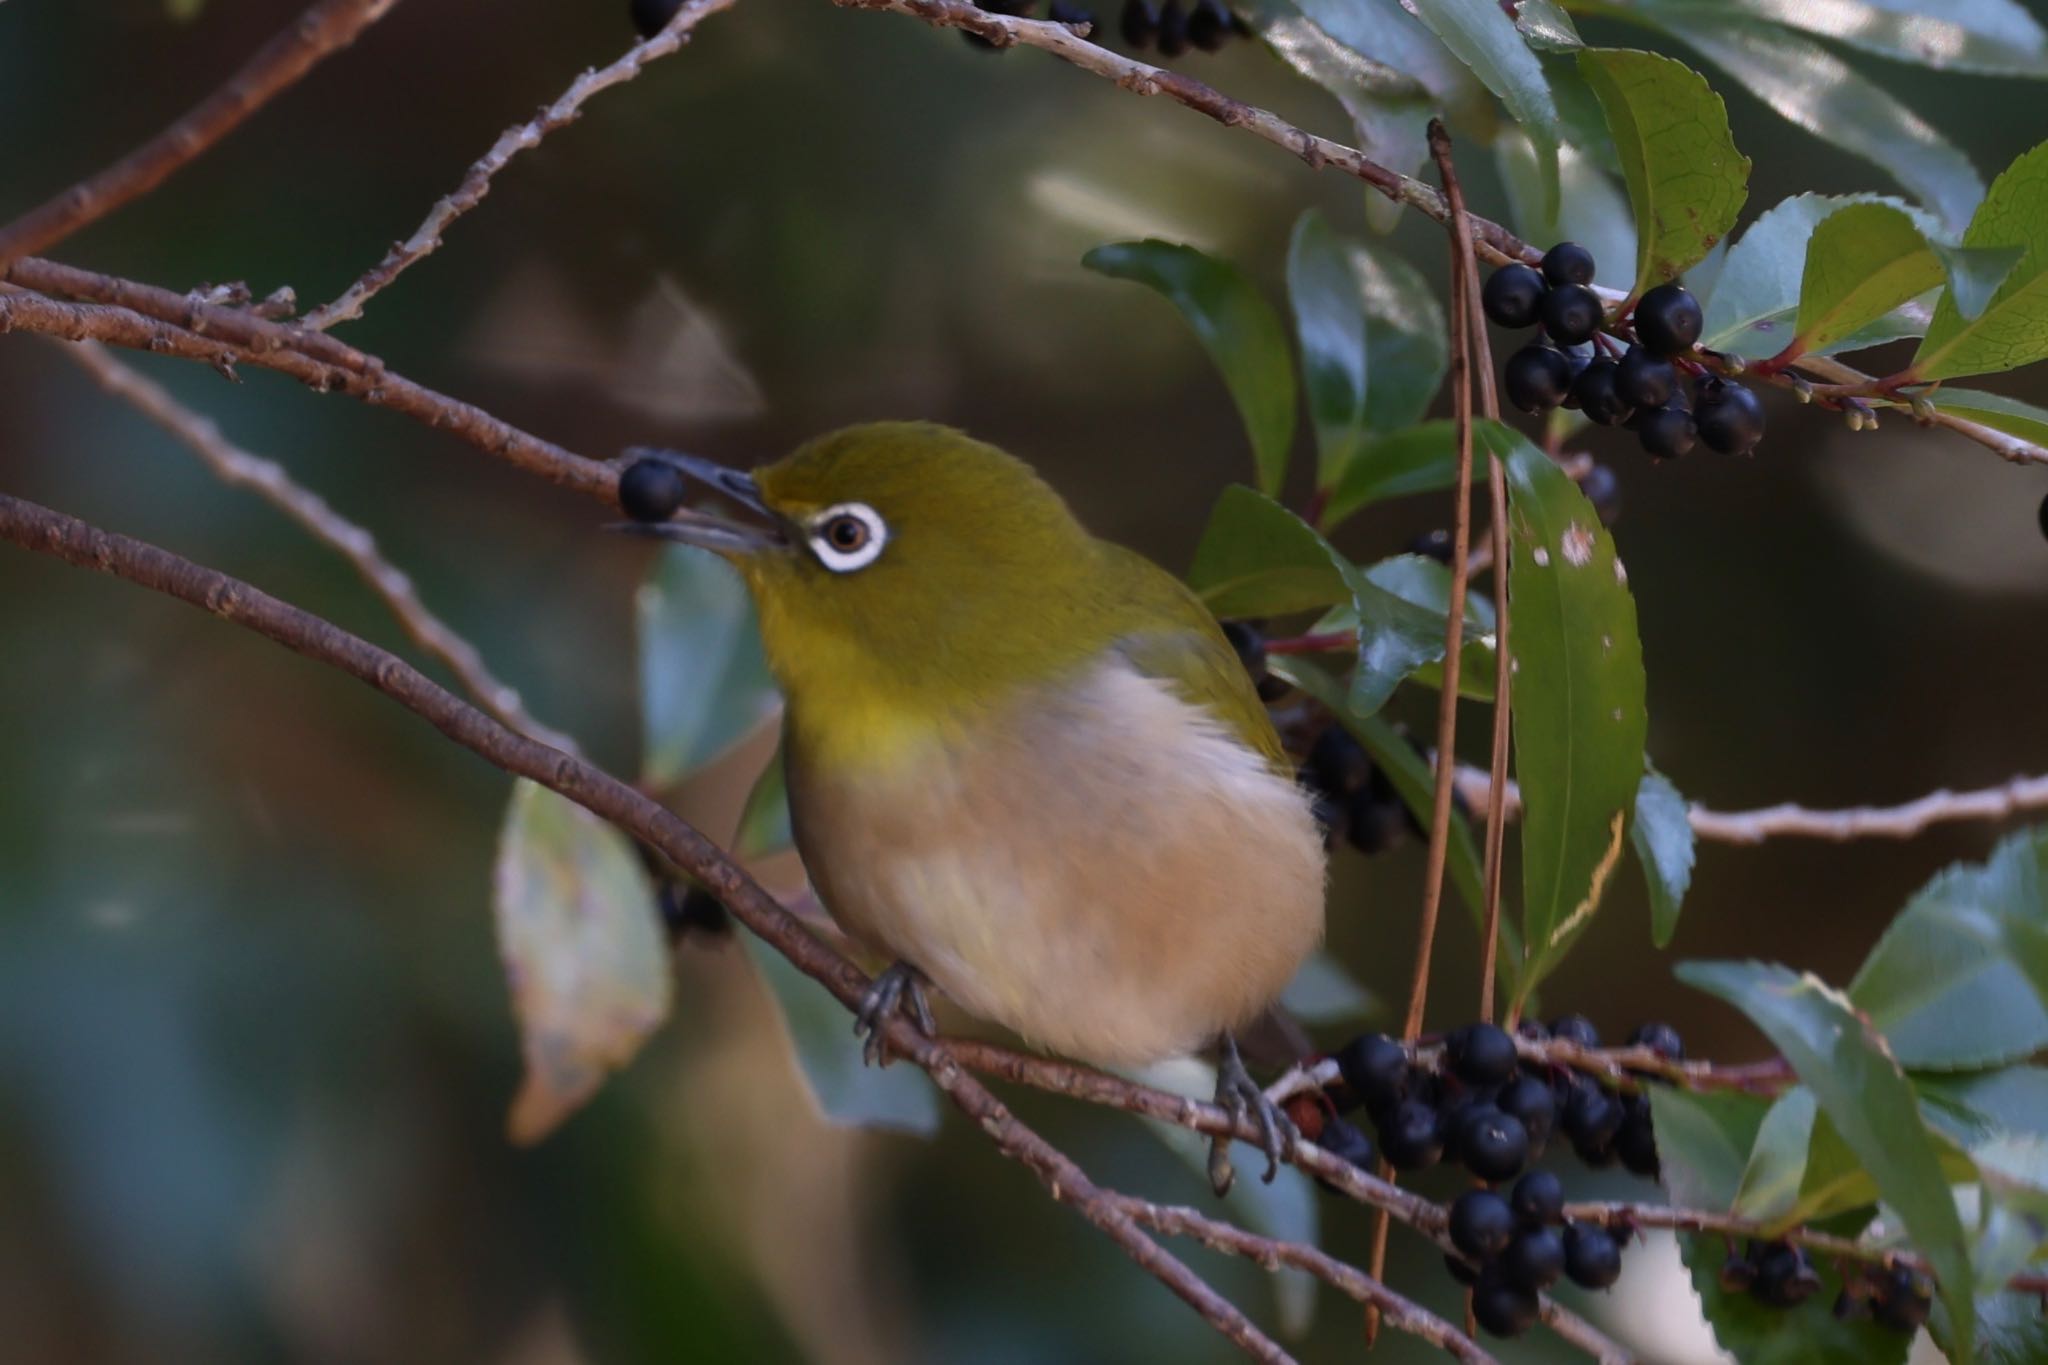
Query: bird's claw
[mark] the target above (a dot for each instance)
(901, 986)
(1241, 1098)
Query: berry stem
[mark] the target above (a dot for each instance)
(1324, 642)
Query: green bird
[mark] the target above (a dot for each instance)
(1024, 764)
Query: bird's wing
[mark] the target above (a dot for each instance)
(1181, 645)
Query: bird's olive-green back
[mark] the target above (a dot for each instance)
(986, 585)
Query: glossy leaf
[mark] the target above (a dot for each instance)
(1940, 985)
(583, 951)
(1256, 558)
(1421, 459)
(1484, 38)
(1406, 348)
(1329, 327)
(1237, 326)
(1756, 1333)
(764, 820)
(820, 1034)
(1996, 411)
(703, 680)
(1753, 300)
(1861, 1089)
(1546, 26)
(1577, 697)
(1592, 210)
(1861, 262)
(1703, 1142)
(1686, 182)
(1663, 840)
(2012, 330)
(1994, 37)
(1811, 87)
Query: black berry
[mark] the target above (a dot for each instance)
(1492, 1145)
(1529, 1100)
(1730, 418)
(1339, 763)
(1481, 1054)
(1596, 395)
(1481, 1224)
(1060, 12)
(1902, 1298)
(2044, 516)
(1668, 319)
(1139, 23)
(1575, 1029)
(1534, 1259)
(651, 16)
(1592, 1258)
(1738, 1273)
(689, 909)
(1643, 380)
(1437, 545)
(1513, 296)
(1346, 1140)
(1250, 644)
(1568, 263)
(1504, 1309)
(1602, 487)
(1375, 1070)
(1635, 1142)
(1592, 1117)
(1464, 1272)
(1537, 378)
(1409, 1136)
(1666, 432)
(1785, 1278)
(1374, 823)
(1209, 25)
(1660, 1038)
(1538, 1200)
(1173, 29)
(1571, 314)
(651, 490)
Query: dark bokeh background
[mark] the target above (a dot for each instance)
(254, 1042)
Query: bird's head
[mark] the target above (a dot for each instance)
(903, 554)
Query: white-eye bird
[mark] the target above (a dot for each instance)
(1023, 763)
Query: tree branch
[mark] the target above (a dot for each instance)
(321, 31)
(239, 468)
(426, 238)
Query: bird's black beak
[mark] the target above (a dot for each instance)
(701, 528)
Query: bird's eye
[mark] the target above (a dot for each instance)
(848, 537)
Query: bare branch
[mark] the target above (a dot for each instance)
(426, 238)
(322, 30)
(268, 480)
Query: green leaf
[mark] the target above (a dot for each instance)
(1861, 1089)
(1993, 37)
(1329, 326)
(1703, 1142)
(1752, 301)
(1422, 459)
(1663, 840)
(1577, 697)
(1685, 179)
(2012, 330)
(2011, 1327)
(1256, 558)
(1977, 1106)
(1996, 411)
(1546, 26)
(1940, 986)
(764, 820)
(1406, 350)
(1861, 262)
(1776, 1168)
(1757, 1334)
(1811, 87)
(1484, 38)
(703, 680)
(583, 951)
(820, 1034)
(1238, 327)
(1322, 992)
(1592, 210)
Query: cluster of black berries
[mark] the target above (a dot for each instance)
(1353, 798)
(1896, 1296)
(1481, 1106)
(1173, 29)
(1639, 390)
(651, 490)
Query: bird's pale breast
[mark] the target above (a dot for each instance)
(1099, 866)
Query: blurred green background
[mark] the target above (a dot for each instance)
(255, 1047)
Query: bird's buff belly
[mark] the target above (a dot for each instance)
(1117, 891)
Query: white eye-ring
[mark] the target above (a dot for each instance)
(848, 536)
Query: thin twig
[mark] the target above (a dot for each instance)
(322, 30)
(476, 183)
(240, 468)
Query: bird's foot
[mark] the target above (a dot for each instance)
(901, 986)
(1241, 1098)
